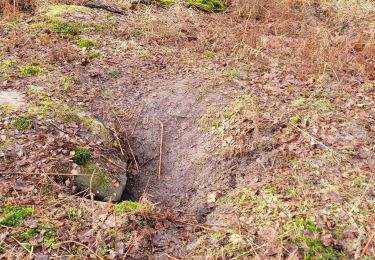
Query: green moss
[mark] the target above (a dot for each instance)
(231, 73)
(50, 237)
(4, 64)
(166, 2)
(86, 43)
(13, 215)
(101, 178)
(295, 120)
(65, 28)
(5, 144)
(66, 82)
(126, 206)
(29, 70)
(207, 5)
(313, 101)
(209, 54)
(22, 123)
(27, 234)
(82, 155)
(59, 10)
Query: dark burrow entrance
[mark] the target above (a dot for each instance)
(189, 170)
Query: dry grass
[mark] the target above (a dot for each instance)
(334, 37)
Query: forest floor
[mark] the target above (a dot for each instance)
(267, 152)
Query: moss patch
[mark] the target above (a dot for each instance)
(82, 155)
(13, 215)
(207, 5)
(22, 123)
(59, 10)
(86, 43)
(29, 70)
(65, 28)
(126, 206)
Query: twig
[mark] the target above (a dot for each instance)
(100, 82)
(119, 142)
(76, 242)
(367, 244)
(359, 199)
(160, 149)
(136, 121)
(171, 257)
(314, 139)
(127, 140)
(18, 242)
(91, 194)
(130, 247)
(58, 128)
(144, 191)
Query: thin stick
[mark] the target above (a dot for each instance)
(18, 242)
(359, 199)
(160, 149)
(367, 244)
(314, 139)
(127, 140)
(136, 122)
(91, 193)
(144, 191)
(118, 141)
(171, 257)
(76, 242)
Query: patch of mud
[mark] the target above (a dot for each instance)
(189, 170)
(13, 99)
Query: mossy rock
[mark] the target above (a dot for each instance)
(207, 5)
(101, 184)
(62, 111)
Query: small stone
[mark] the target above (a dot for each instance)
(214, 196)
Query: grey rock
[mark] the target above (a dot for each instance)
(14, 99)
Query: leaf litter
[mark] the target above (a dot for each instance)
(239, 177)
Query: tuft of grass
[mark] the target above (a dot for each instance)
(207, 5)
(82, 155)
(4, 64)
(86, 43)
(29, 70)
(295, 120)
(166, 2)
(13, 215)
(66, 82)
(209, 54)
(27, 234)
(94, 55)
(22, 123)
(126, 206)
(313, 101)
(231, 73)
(65, 28)
(50, 237)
